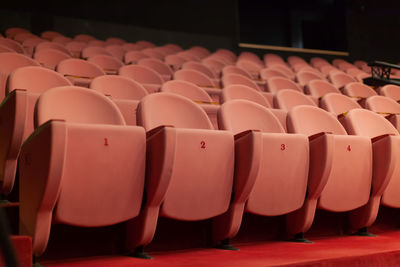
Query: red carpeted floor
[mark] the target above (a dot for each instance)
(330, 247)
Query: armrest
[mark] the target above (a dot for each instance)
(13, 111)
(321, 156)
(317, 135)
(41, 168)
(248, 156)
(161, 142)
(379, 137)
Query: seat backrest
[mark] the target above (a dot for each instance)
(303, 77)
(193, 76)
(273, 59)
(171, 109)
(235, 70)
(94, 50)
(49, 58)
(131, 47)
(11, 32)
(84, 38)
(250, 67)
(320, 88)
(276, 84)
(12, 45)
(232, 79)
(145, 44)
(383, 104)
(241, 115)
(35, 79)
(132, 57)
(186, 89)
(311, 120)
(118, 86)
(77, 105)
(356, 89)
(106, 62)
(141, 74)
(285, 70)
(368, 123)
(214, 64)
(96, 43)
(392, 91)
(339, 79)
(156, 65)
(294, 60)
(268, 73)
(174, 61)
(52, 45)
(173, 47)
(75, 47)
(204, 51)
(286, 99)
(116, 51)
(8, 63)
(239, 91)
(79, 67)
(194, 65)
(115, 41)
(61, 40)
(151, 53)
(337, 103)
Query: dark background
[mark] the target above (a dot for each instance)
(367, 29)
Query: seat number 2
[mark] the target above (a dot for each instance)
(202, 144)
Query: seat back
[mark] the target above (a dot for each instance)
(303, 77)
(340, 79)
(235, 70)
(93, 51)
(75, 48)
(276, 84)
(320, 88)
(240, 115)
(234, 79)
(141, 74)
(250, 66)
(52, 45)
(286, 99)
(8, 63)
(49, 58)
(186, 89)
(356, 89)
(368, 123)
(337, 103)
(145, 44)
(84, 38)
(214, 64)
(115, 41)
(194, 65)
(193, 76)
(156, 65)
(312, 120)
(132, 57)
(239, 91)
(108, 63)
(174, 61)
(170, 109)
(383, 104)
(116, 51)
(79, 67)
(267, 73)
(77, 105)
(392, 91)
(12, 45)
(119, 87)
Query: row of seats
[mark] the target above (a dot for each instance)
(68, 139)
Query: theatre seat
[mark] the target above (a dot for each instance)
(392, 91)
(58, 184)
(233, 78)
(158, 66)
(319, 88)
(386, 107)
(286, 99)
(80, 72)
(125, 93)
(340, 79)
(109, 64)
(147, 77)
(275, 84)
(358, 91)
(304, 77)
(264, 183)
(190, 166)
(340, 166)
(49, 58)
(386, 174)
(337, 103)
(196, 94)
(16, 113)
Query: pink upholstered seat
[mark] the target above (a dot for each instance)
(190, 165)
(201, 80)
(62, 40)
(194, 65)
(196, 94)
(11, 32)
(276, 84)
(80, 72)
(356, 89)
(284, 69)
(173, 47)
(340, 166)
(273, 60)
(340, 79)
(93, 51)
(231, 79)
(204, 52)
(30, 44)
(392, 91)
(386, 177)
(386, 107)
(319, 88)
(304, 77)
(84, 38)
(286, 99)
(52, 45)
(235, 70)
(75, 48)
(295, 60)
(124, 91)
(116, 51)
(147, 77)
(49, 58)
(12, 45)
(151, 53)
(24, 86)
(264, 185)
(251, 67)
(337, 103)
(158, 66)
(96, 43)
(214, 64)
(115, 41)
(145, 44)
(8, 63)
(132, 57)
(174, 61)
(132, 47)
(109, 64)
(317, 62)
(5, 49)
(268, 73)
(58, 182)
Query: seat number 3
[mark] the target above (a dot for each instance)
(283, 147)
